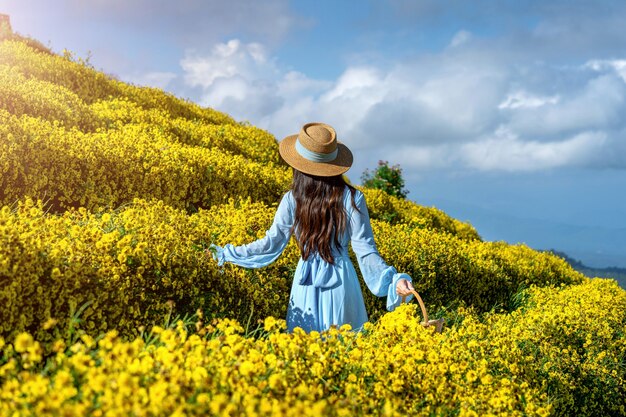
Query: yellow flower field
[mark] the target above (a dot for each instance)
(109, 194)
(549, 359)
(130, 264)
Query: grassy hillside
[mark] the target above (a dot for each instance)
(109, 194)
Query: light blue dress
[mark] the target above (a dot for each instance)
(324, 294)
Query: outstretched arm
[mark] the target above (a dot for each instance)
(381, 279)
(266, 250)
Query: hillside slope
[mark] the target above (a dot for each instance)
(157, 179)
(109, 194)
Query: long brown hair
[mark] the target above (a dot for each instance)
(320, 214)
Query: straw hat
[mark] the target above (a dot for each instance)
(316, 151)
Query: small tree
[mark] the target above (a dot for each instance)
(386, 178)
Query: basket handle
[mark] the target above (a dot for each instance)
(421, 303)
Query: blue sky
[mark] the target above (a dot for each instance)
(508, 114)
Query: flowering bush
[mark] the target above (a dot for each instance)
(21, 95)
(449, 270)
(570, 343)
(247, 141)
(131, 263)
(70, 168)
(517, 364)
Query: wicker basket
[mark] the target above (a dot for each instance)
(437, 324)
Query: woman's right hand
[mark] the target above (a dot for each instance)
(404, 287)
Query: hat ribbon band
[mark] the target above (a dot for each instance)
(315, 156)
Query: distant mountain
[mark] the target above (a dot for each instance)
(619, 274)
(596, 245)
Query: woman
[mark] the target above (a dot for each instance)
(324, 214)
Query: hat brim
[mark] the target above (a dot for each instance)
(338, 166)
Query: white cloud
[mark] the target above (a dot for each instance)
(295, 84)
(236, 77)
(421, 158)
(466, 107)
(233, 88)
(460, 38)
(506, 152)
(352, 83)
(523, 99)
(617, 65)
(596, 103)
(226, 60)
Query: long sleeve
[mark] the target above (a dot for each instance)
(381, 279)
(266, 250)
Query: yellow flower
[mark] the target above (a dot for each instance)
(269, 324)
(246, 368)
(50, 323)
(23, 342)
(471, 376)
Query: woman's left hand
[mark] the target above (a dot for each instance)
(404, 287)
